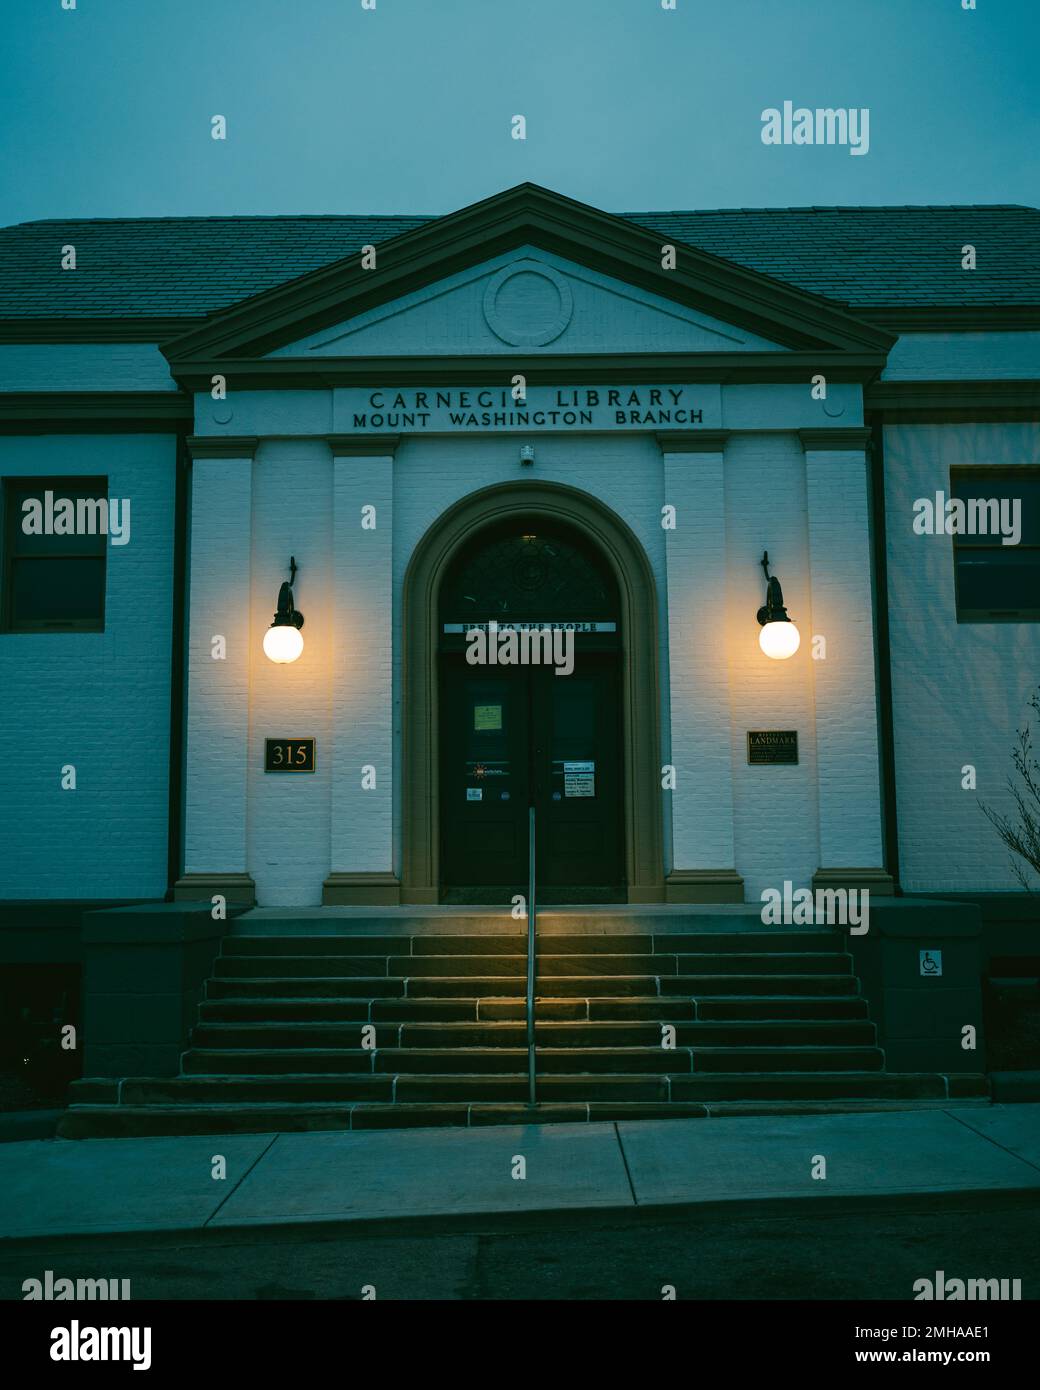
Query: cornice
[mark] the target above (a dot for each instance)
(693, 441)
(225, 446)
(834, 440)
(363, 445)
(607, 369)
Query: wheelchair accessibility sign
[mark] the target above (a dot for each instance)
(931, 962)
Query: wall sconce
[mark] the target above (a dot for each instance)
(526, 455)
(282, 640)
(779, 637)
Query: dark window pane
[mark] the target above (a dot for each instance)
(523, 572)
(1003, 579)
(1021, 486)
(80, 493)
(54, 590)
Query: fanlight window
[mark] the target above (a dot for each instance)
(529, 572)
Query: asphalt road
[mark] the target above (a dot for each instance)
(871, 1254)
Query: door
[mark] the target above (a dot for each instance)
(522, 736)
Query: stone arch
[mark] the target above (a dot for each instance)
(641, 750)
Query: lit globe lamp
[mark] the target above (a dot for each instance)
(779, 637)
(282, 640)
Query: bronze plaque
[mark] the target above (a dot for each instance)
(772, 746)
(289, 755)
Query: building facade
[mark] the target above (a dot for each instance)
(527, 415)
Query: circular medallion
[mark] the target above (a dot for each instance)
(527, 304)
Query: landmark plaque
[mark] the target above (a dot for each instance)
(770, 746)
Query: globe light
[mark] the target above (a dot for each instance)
(282, 640)
(779, 637)
(283, 644)
(779, 640)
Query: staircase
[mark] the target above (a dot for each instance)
(699, 1021)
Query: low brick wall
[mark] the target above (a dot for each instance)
(145, 968)
(921, 1016)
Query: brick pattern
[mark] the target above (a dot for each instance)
(100, 701)
(217, 749)
(84, 367)
(959, 690)
(775, 820)
(289, 813)
(362, 820)
(847, 767)
(729, 511)
(702, 802)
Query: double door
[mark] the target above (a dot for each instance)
(516, 736)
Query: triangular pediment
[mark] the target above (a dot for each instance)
(525, 273)
(529, 300)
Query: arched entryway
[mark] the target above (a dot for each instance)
(530, 715)
(598, 537)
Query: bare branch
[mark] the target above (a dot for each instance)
(1020, 831)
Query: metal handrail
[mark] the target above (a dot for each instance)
(532, 914)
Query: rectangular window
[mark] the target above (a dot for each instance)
(997, 583)
(53, 582)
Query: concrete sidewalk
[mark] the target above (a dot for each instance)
(59, 1188)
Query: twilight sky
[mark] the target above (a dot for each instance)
(105, 110)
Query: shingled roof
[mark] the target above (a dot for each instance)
(862, 257)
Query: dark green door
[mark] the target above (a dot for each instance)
(518, 736)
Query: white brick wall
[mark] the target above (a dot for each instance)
(336, 691)
(100, 701)
(702, 802)
(289, 813)
(301, 829)
(959, 690)
(775, 808)
(362, 817)
(844, 687)
(84, 367)
(964, 357)
(295, 830)
(218, 686)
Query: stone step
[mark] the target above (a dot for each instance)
(757, 1008)
(129, 1121)
(560, 986)
(456, 966)
(317, 967)
(778, 1006)
(578, 1032)
(330, 988)
(572, 1060)
(762, 1018)
(499, 1088)
(515, 943)
(599, 920)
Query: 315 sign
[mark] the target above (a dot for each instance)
(289, 755)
